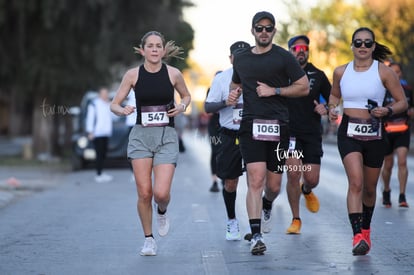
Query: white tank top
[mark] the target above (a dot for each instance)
(358, 87)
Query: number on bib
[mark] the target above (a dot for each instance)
(267, 130)
(154, 116)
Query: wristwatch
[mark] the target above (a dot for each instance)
(184, 106)
(277, 91)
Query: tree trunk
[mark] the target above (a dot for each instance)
(51, 127)
(19, 114)
(43, 127)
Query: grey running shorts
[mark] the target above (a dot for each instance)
(159, 143)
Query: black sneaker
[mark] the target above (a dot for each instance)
(386, 198)
(248, 237)
(257, 246)
(402, 201)
(214, 187)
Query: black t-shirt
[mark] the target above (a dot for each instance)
(303, 118)
(276, 68)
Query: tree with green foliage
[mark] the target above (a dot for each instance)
(394, 21)
(330, 25)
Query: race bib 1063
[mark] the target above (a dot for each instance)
(267, 130)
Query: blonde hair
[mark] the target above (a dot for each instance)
(171, 50)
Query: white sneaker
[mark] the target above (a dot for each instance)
(149, 248)
(99, 178)
(107, 177)
(233, 232)
(257, 246)
(266, 221)
(163, 224)
(103, 178)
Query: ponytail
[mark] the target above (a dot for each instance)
(171, 50)
(381, 52)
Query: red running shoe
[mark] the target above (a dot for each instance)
(367, 235)
(360, 245)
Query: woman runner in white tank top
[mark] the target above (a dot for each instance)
(360, 134)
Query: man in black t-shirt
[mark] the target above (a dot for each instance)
(265, 75)
(305, 134)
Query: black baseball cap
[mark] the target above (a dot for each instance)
(262, 15)
(238, 45)
(295, 38)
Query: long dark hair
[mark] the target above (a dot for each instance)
(381, 51)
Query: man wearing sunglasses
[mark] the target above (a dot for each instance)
(265, 75)
(305, 134)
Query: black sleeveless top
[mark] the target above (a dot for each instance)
(153, 89)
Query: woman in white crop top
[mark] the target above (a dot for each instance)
(360, 134)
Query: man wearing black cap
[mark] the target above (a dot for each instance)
(265, 75)
(229, 159)
(305, 134)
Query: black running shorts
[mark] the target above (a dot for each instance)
(309, 146)
(229, 159)
(373, 151)
(395, 140)
(272, 152)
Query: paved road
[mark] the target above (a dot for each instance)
(76, 226)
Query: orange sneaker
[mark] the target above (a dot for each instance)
(312, 202)
(294, 227)
(402, 201)
(367, 235)
(360, 245)
(403, 204)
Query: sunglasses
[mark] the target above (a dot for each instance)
(260, 28)
(298, 48)
(358, 43)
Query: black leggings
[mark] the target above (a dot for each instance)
(101, 147)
